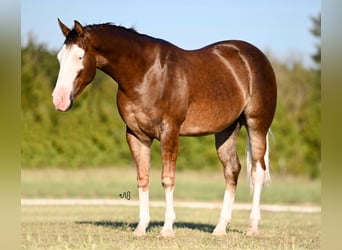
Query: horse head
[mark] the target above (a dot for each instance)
(77, 66)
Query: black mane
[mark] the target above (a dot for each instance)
(73, 35)
(105, 25)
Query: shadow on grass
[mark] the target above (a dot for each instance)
(154, 224)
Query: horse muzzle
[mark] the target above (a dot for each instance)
(62, 103)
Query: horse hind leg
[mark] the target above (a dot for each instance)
(258, 172)
(226, 150)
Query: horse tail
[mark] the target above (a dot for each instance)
(267, 177)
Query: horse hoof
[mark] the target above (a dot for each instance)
(167, 234)
(139, 233)
(219, 232)
(252, 232)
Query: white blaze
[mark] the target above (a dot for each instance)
(70, 58)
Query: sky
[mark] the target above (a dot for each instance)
(279, 27)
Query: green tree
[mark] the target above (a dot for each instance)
(316, 32)
(314, 135)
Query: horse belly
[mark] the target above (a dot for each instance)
(209, 120)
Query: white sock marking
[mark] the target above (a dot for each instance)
(170, 215)
(227, 207)
(144, 212)
(258, 180)
(226, 213)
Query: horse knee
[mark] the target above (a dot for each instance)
(231, 178)
(231, 174)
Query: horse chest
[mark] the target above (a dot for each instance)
(143, 121)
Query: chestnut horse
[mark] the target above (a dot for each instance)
(165, 92)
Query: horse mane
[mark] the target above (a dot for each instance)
(73, 35)
(106, 25)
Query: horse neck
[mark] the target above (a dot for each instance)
(125, 56)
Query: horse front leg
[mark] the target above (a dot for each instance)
(169, 149)
(141, 155)
(226, 150)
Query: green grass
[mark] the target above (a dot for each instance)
(110, 227)
(190, 185)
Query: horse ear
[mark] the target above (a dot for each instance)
(78, 27)
(63, 27)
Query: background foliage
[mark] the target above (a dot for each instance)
(92, 134)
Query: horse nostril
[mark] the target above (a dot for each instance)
(71, 103)
(69, 107)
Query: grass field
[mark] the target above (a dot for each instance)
(110, 227)
(190, 185)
